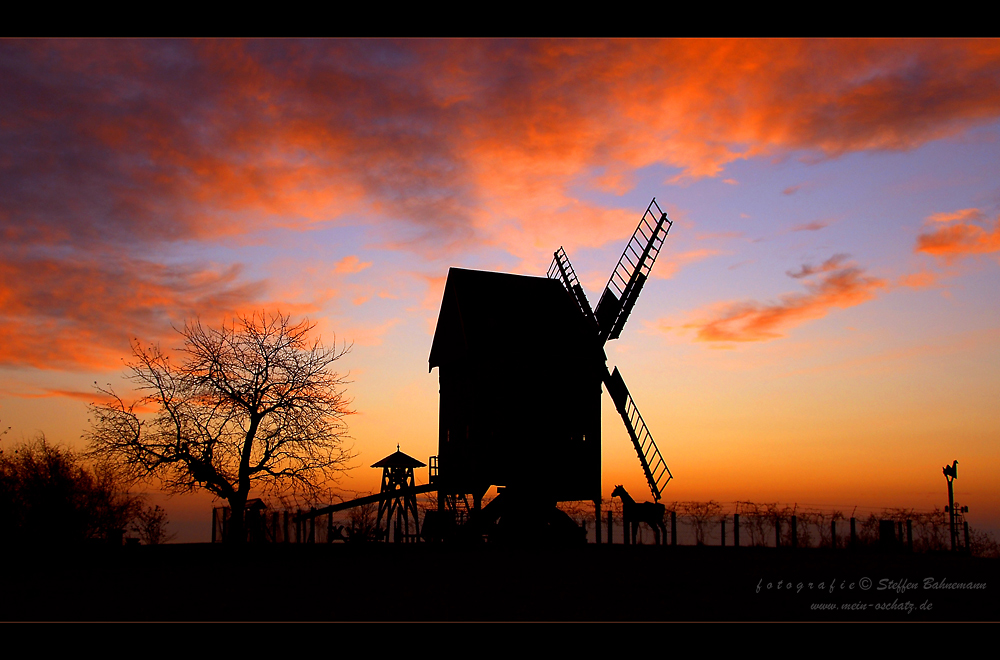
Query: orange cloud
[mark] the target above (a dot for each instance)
(186, 139)
(833, 263)
(960, 236)
(964, 214)
(117, 148)
(351, 264)
(81, 313)
(920, 280)
(753, 321)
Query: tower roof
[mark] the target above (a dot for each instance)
(398, 459)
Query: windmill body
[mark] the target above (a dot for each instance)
(521, 369)
(519, 408)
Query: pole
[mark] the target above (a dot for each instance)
(597, 521)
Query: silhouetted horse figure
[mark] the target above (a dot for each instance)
(634, 513)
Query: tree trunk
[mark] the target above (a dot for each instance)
(237, 523)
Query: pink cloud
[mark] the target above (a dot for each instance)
(836, 286)
(919, 280)
(811, 226)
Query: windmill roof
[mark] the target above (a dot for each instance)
(507, 317)
(398, 459)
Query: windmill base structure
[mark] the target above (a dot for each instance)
(521, 366)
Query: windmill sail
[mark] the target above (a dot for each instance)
(562, 270)
(609, 318)
(631, 272)
(655, 468)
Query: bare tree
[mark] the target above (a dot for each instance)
(363, 522)
(251, 406)
(699, 515)
(753, 519)
(150, 523)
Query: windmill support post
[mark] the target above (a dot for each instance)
(736, 530)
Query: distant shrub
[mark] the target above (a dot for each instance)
(48, 495)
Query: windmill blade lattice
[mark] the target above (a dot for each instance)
(631, 272)
(561, 269)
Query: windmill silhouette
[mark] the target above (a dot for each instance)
(521, 369)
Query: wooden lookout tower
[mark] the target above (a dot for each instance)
(398, 495)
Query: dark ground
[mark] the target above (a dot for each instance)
(488, 583)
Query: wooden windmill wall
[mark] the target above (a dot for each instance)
(520, 388)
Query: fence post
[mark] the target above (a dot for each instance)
(854, 532)
(833, 534)
(777, 532)
(673, 528)
(909, 534)
(723, 521)
(736, 530)
(967, 548)
(610, 527)
(597, 522)
(795, 536)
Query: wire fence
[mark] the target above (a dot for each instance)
(774, 525)
(747, 524)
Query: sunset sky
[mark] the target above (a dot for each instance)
(821, 328)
